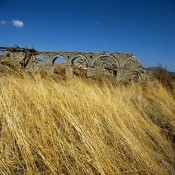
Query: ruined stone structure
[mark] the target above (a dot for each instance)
(119, 65)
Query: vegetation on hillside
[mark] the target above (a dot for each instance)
(82, 126)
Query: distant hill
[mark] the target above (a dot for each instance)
(153, 69)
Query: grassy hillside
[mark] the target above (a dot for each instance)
(79, 126)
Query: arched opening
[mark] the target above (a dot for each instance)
(80, 65)
(106, 65)
(59, 66)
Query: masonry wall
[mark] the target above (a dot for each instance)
(119, 65)
(123, 66)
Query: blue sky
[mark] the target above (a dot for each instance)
(143, 27)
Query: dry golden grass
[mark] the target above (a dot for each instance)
(78, 126)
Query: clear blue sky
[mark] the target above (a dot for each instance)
(143, 27)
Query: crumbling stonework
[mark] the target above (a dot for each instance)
(119, 65)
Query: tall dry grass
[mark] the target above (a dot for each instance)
(81, 127)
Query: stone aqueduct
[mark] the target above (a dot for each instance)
(119, 65)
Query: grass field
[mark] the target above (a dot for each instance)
(78, 126)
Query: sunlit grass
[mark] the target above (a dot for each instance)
(78, 126)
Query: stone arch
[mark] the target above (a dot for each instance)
(106, 64)
(58, 68)
(110, 56)
(81, 56)
(55, 57)
(131, 64)
(80, 66)
(130, 59)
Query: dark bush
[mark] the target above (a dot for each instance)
(163, 76)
